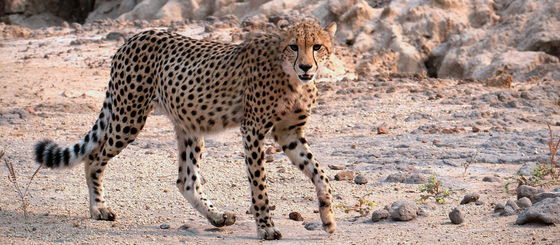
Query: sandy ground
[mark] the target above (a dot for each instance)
(51, 89)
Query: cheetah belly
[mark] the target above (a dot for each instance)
(203, 118)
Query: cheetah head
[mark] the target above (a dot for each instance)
(306, 48)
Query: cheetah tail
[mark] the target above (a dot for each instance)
(51, 155)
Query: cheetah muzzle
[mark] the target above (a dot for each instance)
(263, 85)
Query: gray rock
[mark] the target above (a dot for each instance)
(396, 178)
(508, 211)
(524, 203)
(527, 191)
(499, 208)
(379, 215)
(360, 179)
(472, 197)
(422, 212)
(115, 36)
(164, 226)
(491, 179)
(527, 168)
(512, 204)
(546, 211)
(312, 226)
(416, 178)
(456, 216)
(544, 195)
(403, 210)
(337, 167)
(557, 189)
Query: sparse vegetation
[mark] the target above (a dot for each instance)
(434, 189)
(546, 173)
(468, 163)
(363, 206)
(22, 193)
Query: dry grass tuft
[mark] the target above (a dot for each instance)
(12, 177)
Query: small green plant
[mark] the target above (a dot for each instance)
(434, 189)
(12, 177)
(363, 206)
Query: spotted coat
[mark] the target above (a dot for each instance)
(262, 85)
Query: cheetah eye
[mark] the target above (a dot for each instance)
(293, 47)
(316, 47)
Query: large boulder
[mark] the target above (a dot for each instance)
(43, 13)
(546, 211)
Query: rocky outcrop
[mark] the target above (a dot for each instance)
(43, 13)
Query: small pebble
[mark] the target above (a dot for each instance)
(472, 197)
(456, 216)
(295, 216)
(491, 179)
(164, 226)
(382, 130)
(336, 167)
(345, 175)
(312, 226)
(360, 179)
(184, 227)
(512, 204)
(379, 215)
(524, 202)
(508, 211)
(499, 208)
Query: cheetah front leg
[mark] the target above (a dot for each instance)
(254, 159)
(296, 148)
(188, 182)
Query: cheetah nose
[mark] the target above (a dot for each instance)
(305, 68)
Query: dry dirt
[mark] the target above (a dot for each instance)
(52, 89)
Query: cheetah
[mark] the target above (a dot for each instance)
(263, 85)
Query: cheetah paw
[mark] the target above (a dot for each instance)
(269, 233)
(228, 218)
(103, 214)
(329, 227)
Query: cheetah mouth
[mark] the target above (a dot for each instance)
(305, 77)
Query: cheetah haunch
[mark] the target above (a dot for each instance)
(264, 84)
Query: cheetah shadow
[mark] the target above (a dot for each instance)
(43, 228)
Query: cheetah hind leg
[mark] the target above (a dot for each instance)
(120, 135)
(190, 151)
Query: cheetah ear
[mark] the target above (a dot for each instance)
(331, 28)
